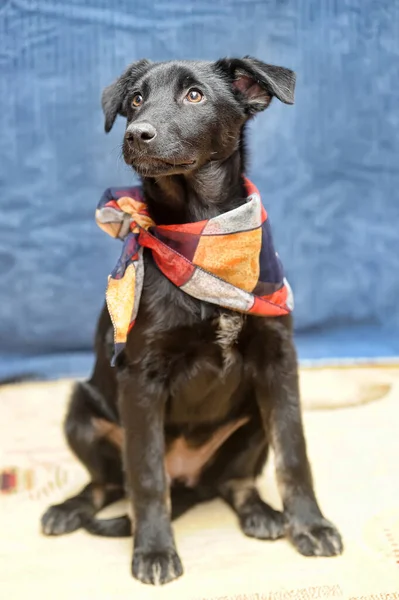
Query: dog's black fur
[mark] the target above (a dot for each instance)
(189, 367)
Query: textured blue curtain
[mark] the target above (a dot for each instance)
(328, 168)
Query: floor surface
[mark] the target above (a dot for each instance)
(355, 456)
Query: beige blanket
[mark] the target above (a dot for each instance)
(355, 457)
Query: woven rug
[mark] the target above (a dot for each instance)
(355, 456)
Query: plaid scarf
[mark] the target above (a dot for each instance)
(228, 260)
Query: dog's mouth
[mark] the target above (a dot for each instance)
(153, 165)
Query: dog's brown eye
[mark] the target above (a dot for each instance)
(194, 96)
(137, 100)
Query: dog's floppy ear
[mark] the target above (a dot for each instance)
(257, 82)
(113, 96)
(112, 100)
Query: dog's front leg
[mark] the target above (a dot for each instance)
(142, 405)
(279, 403)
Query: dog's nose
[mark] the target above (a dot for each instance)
(140, 133)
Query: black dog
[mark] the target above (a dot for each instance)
(200, 392)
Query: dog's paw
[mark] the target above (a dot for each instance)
(320, 538)
(60, 519)
(156, 568)
(263, 522)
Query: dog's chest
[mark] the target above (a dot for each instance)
(190, 322)
(205, 393)
(208, 373)
(194, 345)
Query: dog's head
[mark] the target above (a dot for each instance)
(181, 115)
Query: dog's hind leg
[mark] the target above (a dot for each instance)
(257, 519)
(77, 510)
(182, 499)
(237, 482)
(95, 441)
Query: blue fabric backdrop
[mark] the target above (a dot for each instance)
(327, 167)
